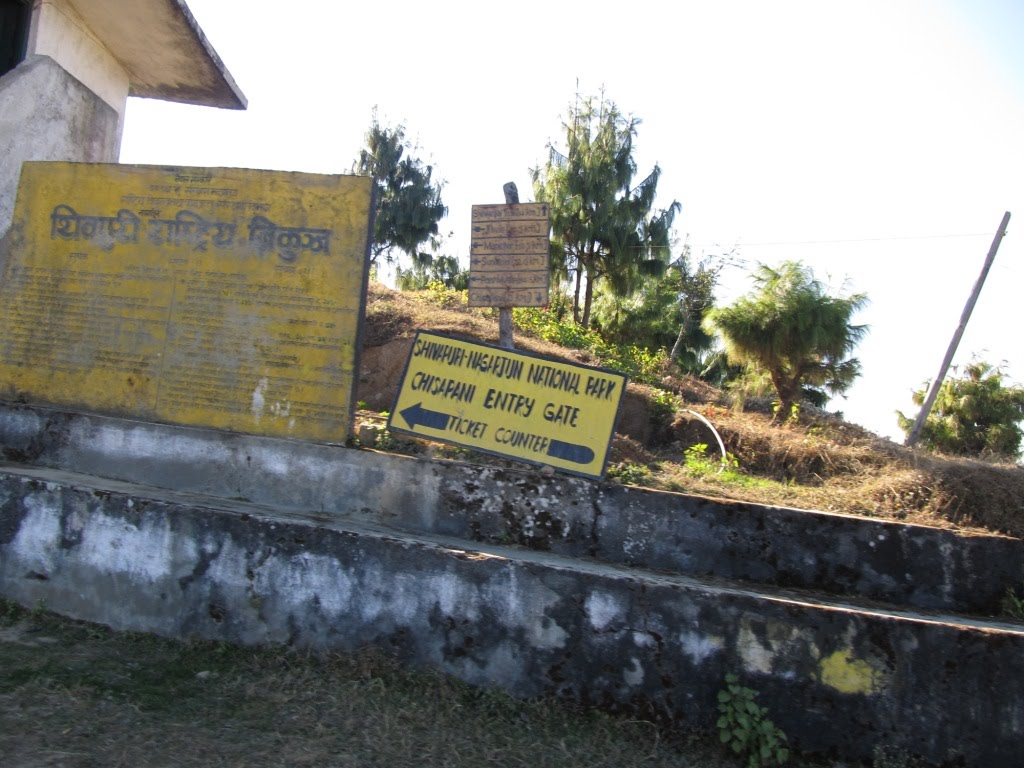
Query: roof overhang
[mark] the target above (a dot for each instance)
(163, 50)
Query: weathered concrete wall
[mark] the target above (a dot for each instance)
(901, 564)
(835, 680)
(256, 334)
(46, 114)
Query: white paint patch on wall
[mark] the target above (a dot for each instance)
(305, 578)
(259, 398)
(526, 608)
(545, 633)
(455, 597)
(756, 657)
(38, 536)
(603, 609)
(700, 647)
(634, 674)
(113, 545)
(783, 643)
(115, 441)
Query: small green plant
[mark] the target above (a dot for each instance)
(696, 458)
(386, 440)
(697, 461)
(791, 416)
(884, 756)
(662, 407)
(11, 612)
(1013, 603)
(39, 610)
(745, 728)
(629, 473)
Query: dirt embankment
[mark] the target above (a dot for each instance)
(821, 462)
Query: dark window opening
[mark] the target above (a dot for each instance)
(15, 16)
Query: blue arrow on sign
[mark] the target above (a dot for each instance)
(578, 454)
(417, 414)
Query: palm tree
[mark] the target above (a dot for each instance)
(792, 329)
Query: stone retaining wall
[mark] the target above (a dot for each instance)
(835, 679)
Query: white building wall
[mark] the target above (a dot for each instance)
(46, 114)
(66, 101)
(59, 32)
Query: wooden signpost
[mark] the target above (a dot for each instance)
(508, 258)
(498, 400)
(509, 264)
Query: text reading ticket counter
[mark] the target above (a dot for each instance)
(509, 403)
(215, 297)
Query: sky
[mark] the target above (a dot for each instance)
(878, 142)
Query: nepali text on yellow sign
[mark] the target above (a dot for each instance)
(509, 403)
(215, 297)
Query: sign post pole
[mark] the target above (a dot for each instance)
(505, 328)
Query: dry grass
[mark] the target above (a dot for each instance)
(826, 464)
(77, 695)
(820, 462)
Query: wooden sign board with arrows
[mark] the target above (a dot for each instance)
(509, 403)
(508, 256)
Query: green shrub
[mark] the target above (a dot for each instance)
(1013, 603)
(884, 756)
(975, 414)
(629, 473)
(637, 363)
(745, 728)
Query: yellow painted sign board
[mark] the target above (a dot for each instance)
(509, 403)
(214, 297)
(508, 256)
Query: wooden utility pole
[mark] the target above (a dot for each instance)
(933, 392)
(505, 328)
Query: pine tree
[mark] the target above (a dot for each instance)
(408, 200)
(603, 226)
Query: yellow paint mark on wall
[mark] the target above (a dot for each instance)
(847, 674)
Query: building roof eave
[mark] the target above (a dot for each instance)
(163, 50)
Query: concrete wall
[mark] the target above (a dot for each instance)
(46, 114)
(836, 680)
(905, 565)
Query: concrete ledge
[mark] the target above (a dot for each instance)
(836, 680)
(900, 564)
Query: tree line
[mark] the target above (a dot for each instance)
(623, 275)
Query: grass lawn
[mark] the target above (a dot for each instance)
(74, 694)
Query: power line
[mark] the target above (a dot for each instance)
(741, 244)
